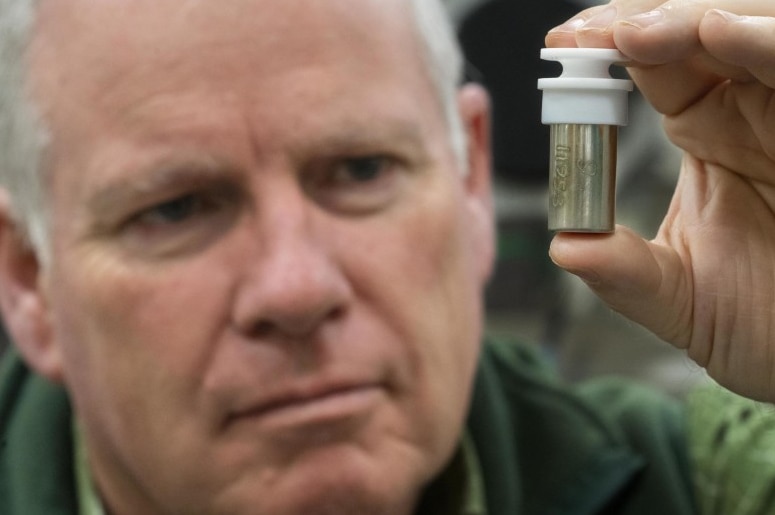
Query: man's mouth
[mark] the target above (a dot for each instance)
(321, 406)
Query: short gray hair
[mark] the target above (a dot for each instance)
(444, 59)
(24, 136)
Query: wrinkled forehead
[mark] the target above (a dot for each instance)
(93, 43)
(71, 22)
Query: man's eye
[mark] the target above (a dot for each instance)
(175, 211)
(365, 169)
(360, 169)
(181, 224)
(357, 185)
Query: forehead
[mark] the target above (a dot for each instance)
(158, 26)
(114, 55)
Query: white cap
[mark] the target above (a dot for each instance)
(585, 93)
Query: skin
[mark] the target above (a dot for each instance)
(706, 281)
(265, 291)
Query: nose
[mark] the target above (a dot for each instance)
(293, 285)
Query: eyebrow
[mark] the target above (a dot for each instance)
(160, 177)
(363, 136)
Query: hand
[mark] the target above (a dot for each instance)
(706, 282)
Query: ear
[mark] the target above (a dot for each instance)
(22, 298)
(474, 105)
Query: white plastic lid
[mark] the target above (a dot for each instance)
(585, 93)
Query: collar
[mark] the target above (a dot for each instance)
(459, 488)
(474, 501)
(89, 502)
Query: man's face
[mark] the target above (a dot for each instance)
(267, 266)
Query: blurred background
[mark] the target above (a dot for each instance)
(529, 299)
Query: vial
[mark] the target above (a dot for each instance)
(584, 107)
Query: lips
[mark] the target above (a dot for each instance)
(321, 404)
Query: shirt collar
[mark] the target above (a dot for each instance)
(89, 502)
(459, 488)
(474, 502)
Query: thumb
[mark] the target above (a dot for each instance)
(641, 280)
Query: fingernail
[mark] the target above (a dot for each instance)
(644, 20)
(726, 15)
(601, 20)
(569, 26)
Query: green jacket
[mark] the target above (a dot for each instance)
(606, 447)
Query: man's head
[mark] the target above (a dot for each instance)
(266, 252)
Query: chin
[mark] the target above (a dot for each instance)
(333, 483)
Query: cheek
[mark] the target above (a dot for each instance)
(136, 332)
(146, 304)
(422, 275)
(135, 345)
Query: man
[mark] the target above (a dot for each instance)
(255, 283)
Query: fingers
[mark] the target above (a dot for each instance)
(673, 26)
(671, 32)
(593, 27)
(730, 127)
(565, 35)
(746, 42)
(680, 49)
(643, 281)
